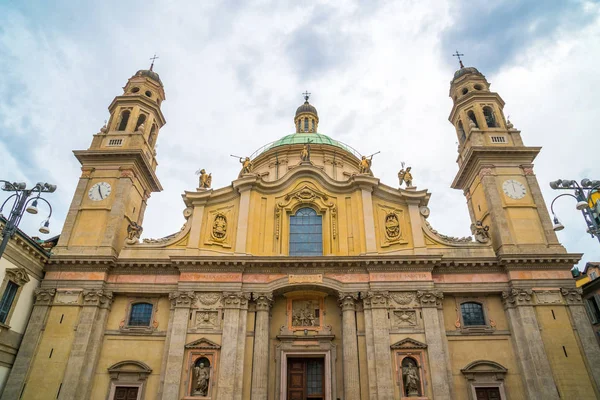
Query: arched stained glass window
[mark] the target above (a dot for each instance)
(306, 233)
(472, 314)
(141, 314)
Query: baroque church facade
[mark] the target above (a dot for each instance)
(307, 277)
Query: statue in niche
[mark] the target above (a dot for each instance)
(392, 226)
(410, 375)
(305, 313)
(404, 176)
(305, 153)
(134, 231)
(205, 179)
(219, 230)
(201, 373)
(481, 233)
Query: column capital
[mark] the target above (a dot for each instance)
(348, 300)
(376, 299)
(517, 297)
(572, 296)
(264, 301)
(235, 299)
(44, 297)
(97, 298)
(430, 298)
(182, 299)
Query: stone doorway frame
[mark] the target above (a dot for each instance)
(289, 350)
(484, 374)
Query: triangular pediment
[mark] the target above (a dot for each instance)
(203, 343)
(408, 343)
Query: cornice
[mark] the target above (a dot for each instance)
(564, 261)
(478, 156)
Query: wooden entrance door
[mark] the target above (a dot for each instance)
(487, 393)
(126, 393)
(306, 379)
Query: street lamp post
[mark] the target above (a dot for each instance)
(587, 195)
(23, 202)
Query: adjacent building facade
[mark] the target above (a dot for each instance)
(307, 277)
(588, 281)
(21, 271)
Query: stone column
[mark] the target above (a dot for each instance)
(180, 303)
(583, 327)
(260, 360)
(37, 321)
(529, 347)
(85, 350)
(435, 336)
(233, 303)
(350, 344)
(371, 369)
(378, 301)
(241, 348)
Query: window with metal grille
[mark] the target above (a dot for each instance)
(306, 233)
(141, 314)
(115, 142)
(498, 139)
(472, 314)
(314, 377)
(7, 299)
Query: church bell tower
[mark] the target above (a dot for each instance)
(496, 170)
(118, 171)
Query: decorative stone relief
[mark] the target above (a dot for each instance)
(134, 231)
(548, 297)
(480, 232)
(182, 299)
(403, 298)
(391, 221)
(431, 298)
(68, 297)
(408, 343)
(264, 301)
(44, 297)
(206, 319)
(348, 300)
(219, 229)
(517, 297)
(97, 297)
(376, 299)
(572, 295)
(306, 313)
(235, 299)
(17, 275)
(208, 299)
(404, 319)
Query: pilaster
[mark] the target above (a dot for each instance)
(377, 301)
(583, 328)
(350, 346)
(180, 306)
(529, 348)
(260, 362)
(369, 219)
(81, 366)
(235, 309)
(437, 347)
(242, 225)
(16, 380)
(370, 342)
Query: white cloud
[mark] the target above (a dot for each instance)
(233, 75)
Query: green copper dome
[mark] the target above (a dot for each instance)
(303, 138)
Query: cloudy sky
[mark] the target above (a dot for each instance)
(234, 72)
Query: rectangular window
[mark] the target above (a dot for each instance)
(593, 275)
(593, 309)
(7, 300)
(498, 139)
(115, 142)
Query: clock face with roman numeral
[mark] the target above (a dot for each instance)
(99, 191)
(514, 189)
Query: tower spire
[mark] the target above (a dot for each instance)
(457, 54)
(306, 95)
(153, 58)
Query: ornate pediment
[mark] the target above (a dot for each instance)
(203, 343)
(408, 343)
(17, 275)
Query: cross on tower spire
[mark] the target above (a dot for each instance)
(153, 58)
(306, 96)
(457, 54)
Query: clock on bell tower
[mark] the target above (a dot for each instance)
(118, 171)
(496, 170)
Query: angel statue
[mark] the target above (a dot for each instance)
(205, 179)
(481, 232)
(404, 176)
